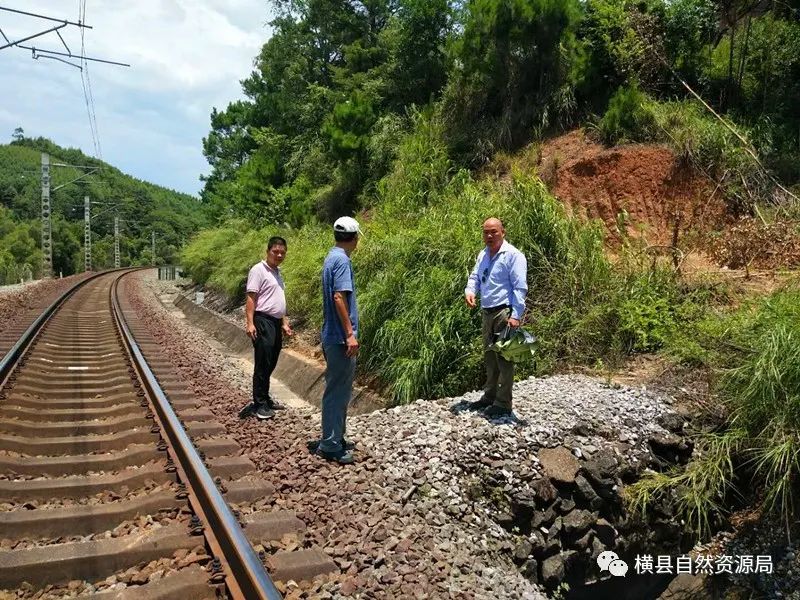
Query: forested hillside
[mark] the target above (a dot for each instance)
(406, 110)
(424, 117)
(339, 84)
(141, 206)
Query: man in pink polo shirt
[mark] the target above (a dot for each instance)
(266, 323)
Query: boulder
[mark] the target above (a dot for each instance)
(566, 505)
(671, 422)
(544, 490)
(555, 568)
(577, 522)
(559, 464)
(522, 551)
(601, 470)
(585, 542)
(531, 570)
(670, 447)
(555, 529)
(549, 547)
(543, 518)
(586, 493)
(597, 549)
(583, 428)
(605, 532)
(523, 500)
(505, 520)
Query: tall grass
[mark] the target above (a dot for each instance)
(418, 337)
(757, 456)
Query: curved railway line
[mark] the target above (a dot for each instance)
(112, 483)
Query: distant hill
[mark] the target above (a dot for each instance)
(141, 206)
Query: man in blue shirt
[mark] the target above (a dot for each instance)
(500, 278)
(339, 341)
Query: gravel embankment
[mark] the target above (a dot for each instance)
(406, 520)
(26, 302)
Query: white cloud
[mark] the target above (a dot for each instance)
(186, 56)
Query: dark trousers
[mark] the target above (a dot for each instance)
(267, 347)
(499, 371)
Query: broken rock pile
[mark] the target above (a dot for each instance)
(542, 487)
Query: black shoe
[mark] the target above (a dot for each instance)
(494, 412)
(274, 404)
(312, 445)
(343, 457)
(481, 404)
(264, 412)
(248, 410)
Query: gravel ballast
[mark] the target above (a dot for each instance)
(26, 302)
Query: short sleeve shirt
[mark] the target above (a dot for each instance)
(267, 284)
(337, 276)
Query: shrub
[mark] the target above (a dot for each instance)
(701, 140)
(418, 337)
(627, 118)
(756, 350)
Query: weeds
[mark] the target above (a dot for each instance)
(757, 352)
(628, 117)
(418, 337)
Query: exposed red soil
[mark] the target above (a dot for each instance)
(647, 181)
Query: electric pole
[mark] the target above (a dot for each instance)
(87, 234)
(116, 242)
(153, 241)
(47, 231)
(47, 241)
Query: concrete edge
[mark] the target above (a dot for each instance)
(304, 376)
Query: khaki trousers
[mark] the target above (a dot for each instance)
(499, 371)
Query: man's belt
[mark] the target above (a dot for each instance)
(258, 313)
(497, 308)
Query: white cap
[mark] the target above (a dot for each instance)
(346, 225)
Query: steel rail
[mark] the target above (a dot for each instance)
(244, 564)
(9, 361)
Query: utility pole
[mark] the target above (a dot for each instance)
(47, 241)
(153, 242)
(47, 231)
(87, 234)
(116, 242)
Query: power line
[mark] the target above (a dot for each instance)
(87, 95)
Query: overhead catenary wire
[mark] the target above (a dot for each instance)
(37, 53)
(86, 85)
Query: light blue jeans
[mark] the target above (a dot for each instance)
(338, 391)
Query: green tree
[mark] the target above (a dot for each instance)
(510, 61)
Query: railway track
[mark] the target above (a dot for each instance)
(113, 484)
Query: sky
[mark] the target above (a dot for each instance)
(186, 57)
